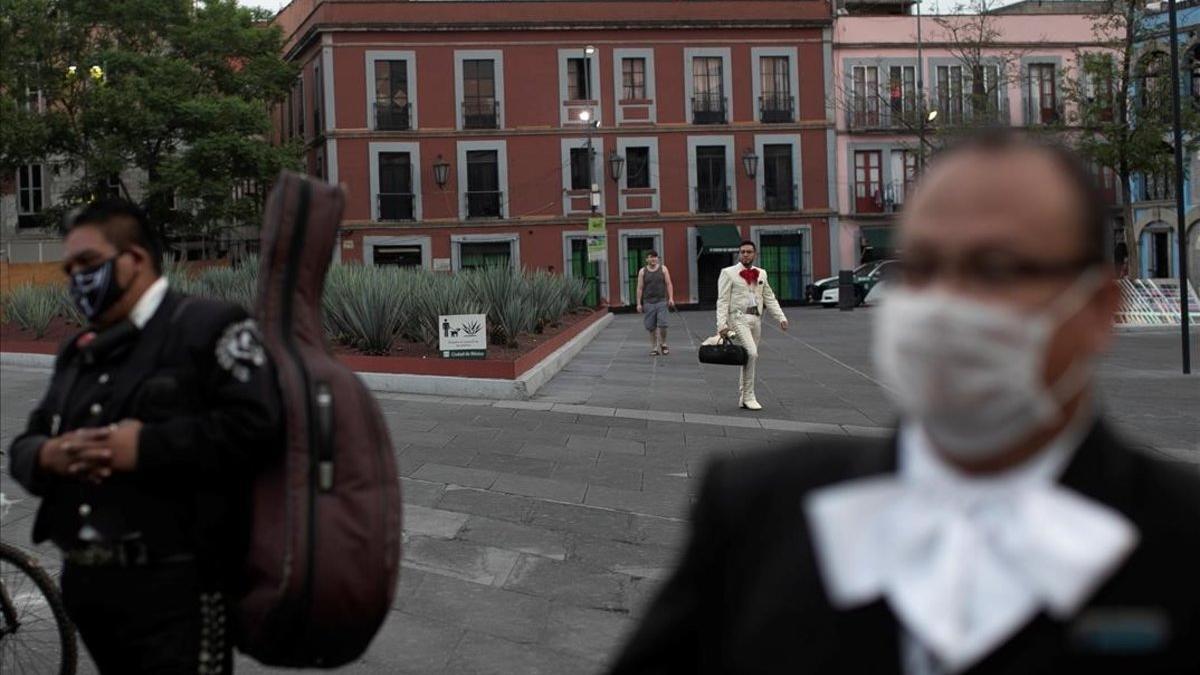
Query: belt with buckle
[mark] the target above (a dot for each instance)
(753, 311)
(125, 554)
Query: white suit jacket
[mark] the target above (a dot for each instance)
(734, 295)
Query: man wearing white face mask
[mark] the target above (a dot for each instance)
(1004, 528)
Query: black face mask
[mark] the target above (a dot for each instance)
(95, 289)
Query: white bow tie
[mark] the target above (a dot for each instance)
(964, 569)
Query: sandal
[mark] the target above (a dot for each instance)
(653, 352)
(665, 350)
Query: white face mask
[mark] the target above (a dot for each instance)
(970, 373)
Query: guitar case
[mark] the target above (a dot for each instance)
(324, 549)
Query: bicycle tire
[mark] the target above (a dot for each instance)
(69, 649)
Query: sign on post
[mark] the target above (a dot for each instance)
(462, 336)
(597, 239)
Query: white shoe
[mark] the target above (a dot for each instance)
(751, 404)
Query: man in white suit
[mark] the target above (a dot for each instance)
(743, 293)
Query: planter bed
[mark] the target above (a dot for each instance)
(405, 358)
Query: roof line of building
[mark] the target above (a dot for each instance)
(314, 31)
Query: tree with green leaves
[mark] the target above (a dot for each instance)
(1120, 105)
(179, 90)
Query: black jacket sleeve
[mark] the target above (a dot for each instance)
(669, 638)
(238, 421)
(23, 460)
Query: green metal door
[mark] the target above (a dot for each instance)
(475, 255)
(581, 268)
(636, 249)
(782, 256)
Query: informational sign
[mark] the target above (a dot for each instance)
(441, 264)
(597, 239)
(462, 336)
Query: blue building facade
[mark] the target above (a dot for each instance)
(1155, 227)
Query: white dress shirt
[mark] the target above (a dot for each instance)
(964, 561)
(148, 304)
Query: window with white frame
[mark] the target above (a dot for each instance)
(578, 88)
(775, 82)
(904, 173)
(987, 93)
(864, 96)
(581, 170)
(637, 167)
(392, 107)
(633, 79)
(902, 94)
(708, 90)
(481, 105)
(1043, 94)
(950, 94)
(31, 189)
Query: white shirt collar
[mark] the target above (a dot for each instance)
(965, 562)
(148, 304)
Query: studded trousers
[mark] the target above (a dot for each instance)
(747, 330)
(152, 619)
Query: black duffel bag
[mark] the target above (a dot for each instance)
(726, 353)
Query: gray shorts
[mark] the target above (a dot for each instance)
(655, 315)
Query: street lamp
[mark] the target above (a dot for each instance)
(932, 115)
(750, 163)
(616, 165)
(441, 171)
(1180, 222)
(585, 116)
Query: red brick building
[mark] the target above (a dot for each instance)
(456, 129)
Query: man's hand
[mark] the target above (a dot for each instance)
(118, 452)
(65, 455)
(670, 304)
(639, 308)
(783, 325)
(723, 331)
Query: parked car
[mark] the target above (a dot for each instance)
(816, 290)
(866, 277)
(885, 280)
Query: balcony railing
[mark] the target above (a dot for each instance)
(481, 113)
(393, 116)
(909, 119)
(712, 200)
(709, 109)
(881, 198)
(780, 197)
(395, 205)
(1035, 116)
(775, 108)
(484, 203)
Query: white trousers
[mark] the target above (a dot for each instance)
(747, 330)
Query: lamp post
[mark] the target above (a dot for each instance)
(588, 119)
(1180, 221)
(921, 96)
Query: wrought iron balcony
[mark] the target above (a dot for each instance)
(780, 197)
(709, 109)
(393, 116)
(395, 205)
(775, 108)
(712, 200)
(484, 203)
(481, 113)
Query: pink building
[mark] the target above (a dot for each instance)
(1017, 78)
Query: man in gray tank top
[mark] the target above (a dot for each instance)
(654, 296)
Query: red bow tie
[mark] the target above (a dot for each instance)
(750, 274)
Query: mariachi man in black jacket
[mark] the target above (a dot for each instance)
(1005, 529)
(141, 450)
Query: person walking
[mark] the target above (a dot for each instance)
(142, 449)
(1004, 527)
(655, 296)
(743, 293)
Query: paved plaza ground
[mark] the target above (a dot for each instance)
(537, 531)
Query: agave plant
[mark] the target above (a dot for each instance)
(33, 307)
(438, 295)
(237, 284)
(67, 308)
(368, 306)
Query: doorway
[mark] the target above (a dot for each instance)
(708, 270)
(582, 268)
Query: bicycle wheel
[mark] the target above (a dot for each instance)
(35, 634)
